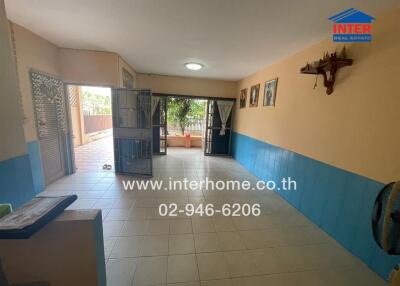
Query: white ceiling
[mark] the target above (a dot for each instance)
(231, 38)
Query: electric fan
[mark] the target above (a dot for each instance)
(386, 224)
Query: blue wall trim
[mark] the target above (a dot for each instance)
(338, 201)
(16, 182)
(36, 166)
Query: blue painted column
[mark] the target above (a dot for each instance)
(16, 182)
(36, 166)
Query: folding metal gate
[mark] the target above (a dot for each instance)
(132, 130)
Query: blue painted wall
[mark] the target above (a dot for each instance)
(339, 202)
(16, 182)
(36, 166)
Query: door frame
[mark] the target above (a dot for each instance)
(214, 128)
(65, 145)
(70, 129)
(165, 99)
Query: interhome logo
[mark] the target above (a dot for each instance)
(352, 26)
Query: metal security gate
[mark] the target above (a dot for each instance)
(132, 130)
(159, 115)
(51, 119)
(215, 142)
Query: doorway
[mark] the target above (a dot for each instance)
(186, 122)
(91, 124)
(218, 127)
(111, 129)
(186, 118)
(140, 124)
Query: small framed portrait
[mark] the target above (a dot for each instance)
(270, 92)
(243, 98)
(254, 91)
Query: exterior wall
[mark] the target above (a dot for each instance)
(187, 85)
(89, 67)
(15, 172)
(339, 148)
(97, 123)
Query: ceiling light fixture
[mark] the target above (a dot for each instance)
(194, 66)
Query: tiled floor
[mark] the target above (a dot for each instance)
(87, 156)
(281, 247)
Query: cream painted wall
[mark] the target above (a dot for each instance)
(124, 65)
(95, 68)
(33, 52)
(89, 67)
(73, 66)
(12, 140)
(357, 127)
(187, 85)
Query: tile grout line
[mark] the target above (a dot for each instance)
(195, 252)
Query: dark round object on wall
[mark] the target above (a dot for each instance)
(386, 218)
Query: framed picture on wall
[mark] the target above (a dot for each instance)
(254, 91)
(243, 98)
(270, 92)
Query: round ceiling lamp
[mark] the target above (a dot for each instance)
(194, 66)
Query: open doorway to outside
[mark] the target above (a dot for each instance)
(91, 120)
(183, 123)
(186, 121)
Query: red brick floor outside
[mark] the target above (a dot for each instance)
(92, 156)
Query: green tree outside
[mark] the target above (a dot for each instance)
(96, 104)
(180, 110)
